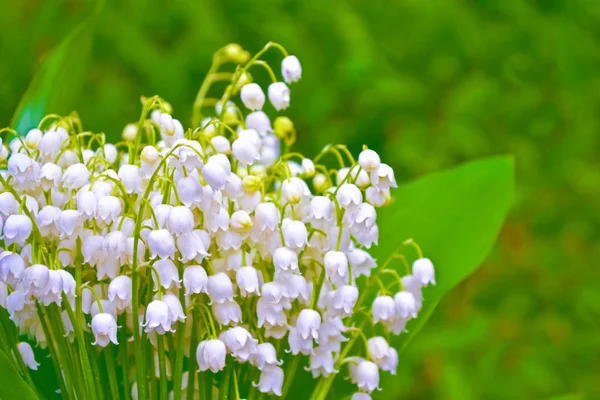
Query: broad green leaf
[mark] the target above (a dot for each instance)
(12, 384)
(57, 84)
(455, 216)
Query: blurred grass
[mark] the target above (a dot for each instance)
(428, 84)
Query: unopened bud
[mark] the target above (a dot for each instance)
(284, 127)
(251, 183)
(235, 53)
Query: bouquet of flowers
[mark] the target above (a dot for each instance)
(201, 262)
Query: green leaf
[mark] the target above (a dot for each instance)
(12, 384)
(57, 84)
(455, 216)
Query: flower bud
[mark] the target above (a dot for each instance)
(284, 128)
(235, 53)
(251, 183)
(252, 96)
(130, 132)
(279, 95)
(211, 354)
(28, 356)
(104, 328)
(291, 69)
(320, 183)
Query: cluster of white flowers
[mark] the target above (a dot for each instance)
(213, 236)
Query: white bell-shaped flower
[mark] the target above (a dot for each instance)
(291, 69)
(69, 286)
(131, 177)
(195, 280)
(336, 267)
(87, 204)
(221, 144)
(119, 292)
(279, 95)
(240, 343)
(252, 96)
(50, 176)
(299, 345)
(76, 176)
(170, 129)
(360, 396)
(369, 160)
(423, 270)
(322, 363)
(228, 312)
(175, 308)
(285, 259)
(406, 305)
(271, 380)
(343, 300)
(108, 209)
(69, 223)
(383, 177)
(365, 375)
(180, 220)
(27, 354)
(265, 355)
(240, 220)
(308, 168)
(12, 268)
(23, 168)
(220, 288)
(104, 328)
(292, 190)
(267, 216)
(211, 354)
(52, 292)
(8, 204)
(35, 279)
(247, 280)
(245, 150)
(17, 229)
(150, 159)
(161, 244)
(167, 271)
(295, 235)
(308, 324)
(215, 173)
(51, 143)
(259, 121)
(383, 309)
(349, 197)
(189, 190)
(158, 318)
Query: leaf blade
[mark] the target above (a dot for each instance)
(14, 386)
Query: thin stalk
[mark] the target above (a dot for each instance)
(123, 354)
(111, 368)
(192, 365)
(162, 366)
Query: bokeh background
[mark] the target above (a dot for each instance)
(428, 84)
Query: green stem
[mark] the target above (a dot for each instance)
(111, 368)
(162, 366)
(192, 362)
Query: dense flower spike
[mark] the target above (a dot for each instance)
(207, 249)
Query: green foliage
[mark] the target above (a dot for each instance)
(57, 84)
(13, 385)
(455, 217)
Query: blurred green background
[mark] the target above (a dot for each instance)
(428, 84)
